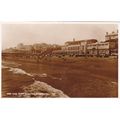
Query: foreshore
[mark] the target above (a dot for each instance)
(80, 77)
(62, 60)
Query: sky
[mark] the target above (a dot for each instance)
(52, 33)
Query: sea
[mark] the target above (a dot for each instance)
(28, 80)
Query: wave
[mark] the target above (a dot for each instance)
(40, 75)
(56, 78)
(5, 67)
(41, 89)
(43, 75)
(19, 71)
(38, 88)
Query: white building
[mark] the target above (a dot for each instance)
(78, 47)
(98, 49)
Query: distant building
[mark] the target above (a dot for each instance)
(87, 47)
(77, 47)
(109, 37)
(112, 38)
(9, 50)
(20, 46)
(91, 47)
(98, 49)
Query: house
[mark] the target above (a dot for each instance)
(78, 47)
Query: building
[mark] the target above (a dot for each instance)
(98, 49)
(24, 48)
(112, 38)
(9, 50)
(88, 47)
(78, 47)
(20, 46)
(92, 47)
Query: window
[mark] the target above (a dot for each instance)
(82, 47)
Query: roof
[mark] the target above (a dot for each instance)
(80, 41)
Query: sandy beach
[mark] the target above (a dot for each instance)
(75, 77)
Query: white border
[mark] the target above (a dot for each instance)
(0, 60)
(62, 10)
(61, 22)
(119, 60)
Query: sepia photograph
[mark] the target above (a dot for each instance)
(59, 60)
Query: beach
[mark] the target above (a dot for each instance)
(61, 77)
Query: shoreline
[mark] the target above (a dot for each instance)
(60, 61)
(81, 77)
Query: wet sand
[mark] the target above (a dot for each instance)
(76, 77)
